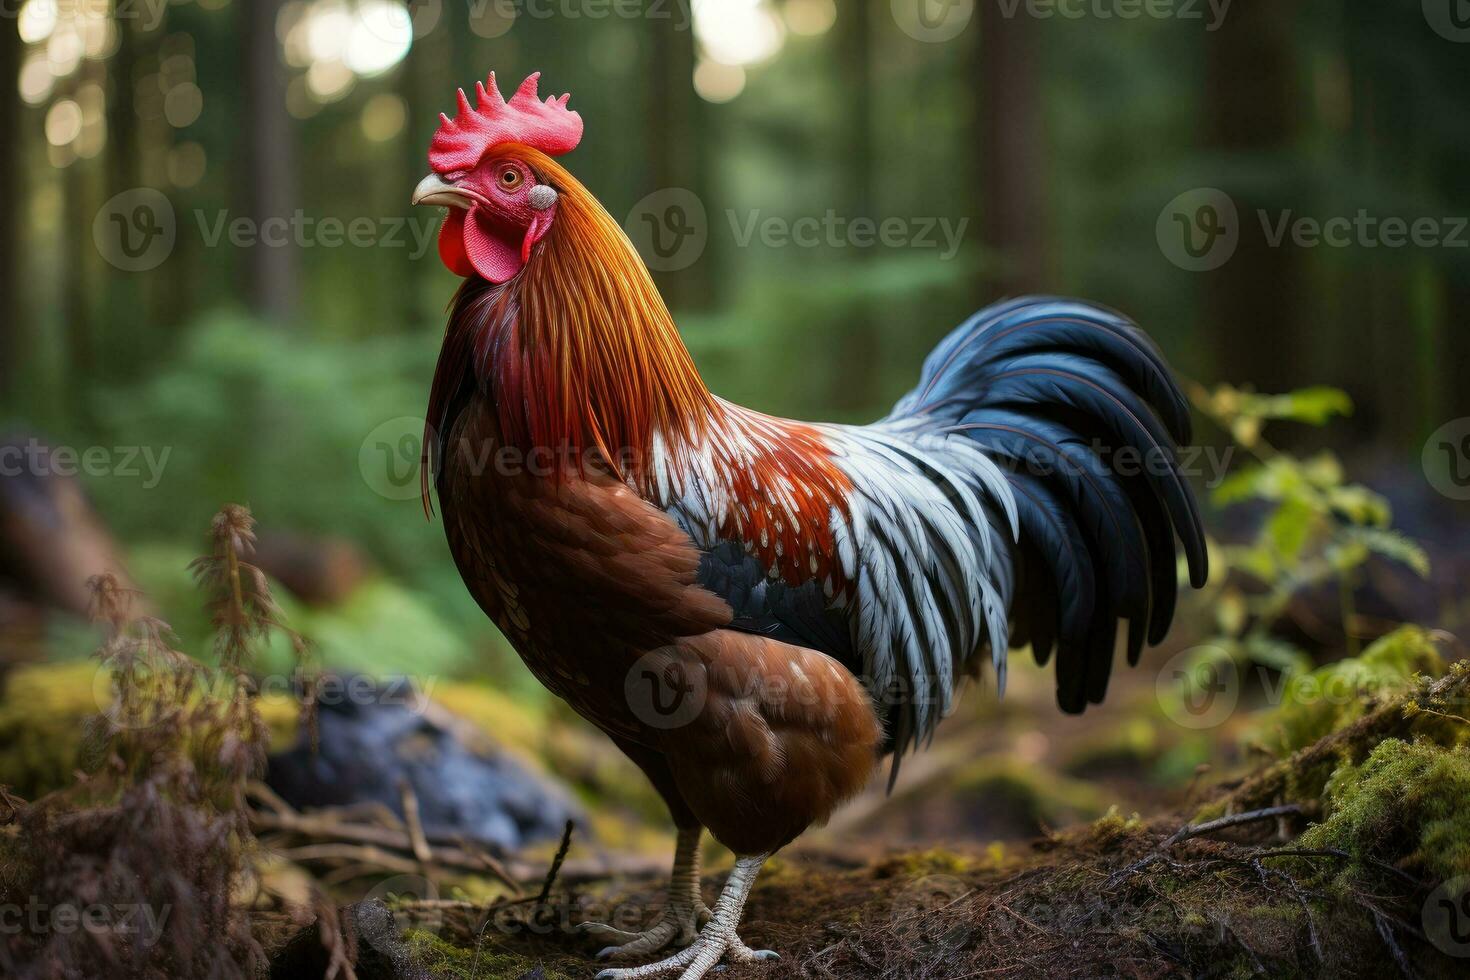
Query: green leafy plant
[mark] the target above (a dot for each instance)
(1318, 527)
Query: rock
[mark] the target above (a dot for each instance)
(374, 944)
(375, 737)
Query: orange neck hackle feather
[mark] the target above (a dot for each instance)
(583, 362)
(579, 350)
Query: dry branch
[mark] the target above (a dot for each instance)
(327, 836)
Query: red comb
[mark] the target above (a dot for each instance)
(546, 126)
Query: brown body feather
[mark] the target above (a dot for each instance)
(549, 394)
(586, 578)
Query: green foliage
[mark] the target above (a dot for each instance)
(278, 418)
(1317, 528)
(1318, 702)
(1408, 804)
(288, 421)
(821, 343)
(384, 628)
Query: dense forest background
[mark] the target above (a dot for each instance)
(1067, 147)
(214, 292)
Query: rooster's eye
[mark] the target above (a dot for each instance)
(510, 178)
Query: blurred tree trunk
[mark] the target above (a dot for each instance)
(268, 161)
(11, 215)
(76, 312)
(674, 142)
(426, 82)
(1453, 165)
(1250, 95)
(1012, 151)
(858, 341)
(127, 332)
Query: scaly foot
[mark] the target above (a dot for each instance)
(684, 911)
(717, 941)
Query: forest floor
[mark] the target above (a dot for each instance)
(1270, 873)
(1108, 899)
(1293, 834)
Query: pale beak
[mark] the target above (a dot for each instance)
(435, 190)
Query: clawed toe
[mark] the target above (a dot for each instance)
(715, 941)
(741, 953)
(748, 956)
(601, 930)
(676, 962)
(632, 945)
(711, 946)
(707, 948)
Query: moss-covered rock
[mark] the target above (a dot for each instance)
(1321, 701)
(1408, 804)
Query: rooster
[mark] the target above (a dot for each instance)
(755, 610)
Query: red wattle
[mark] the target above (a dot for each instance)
(451, 245)
(494, 253)
(472, 244)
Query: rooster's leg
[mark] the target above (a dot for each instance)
(684, 910)
(717, 940)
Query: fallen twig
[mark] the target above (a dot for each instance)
(415, 828)
(1191, 831)
(1385, 932)
(1188, 832)
(555, 869)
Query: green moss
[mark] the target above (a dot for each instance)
(46, 712)
(917, 864)
(1324, 700)
(445, 961)
(1112, 826)
(1408, 804)
(42, 724)
(514, 723)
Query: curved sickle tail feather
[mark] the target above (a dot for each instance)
(1078, 409)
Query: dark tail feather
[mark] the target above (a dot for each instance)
(1076, 404)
